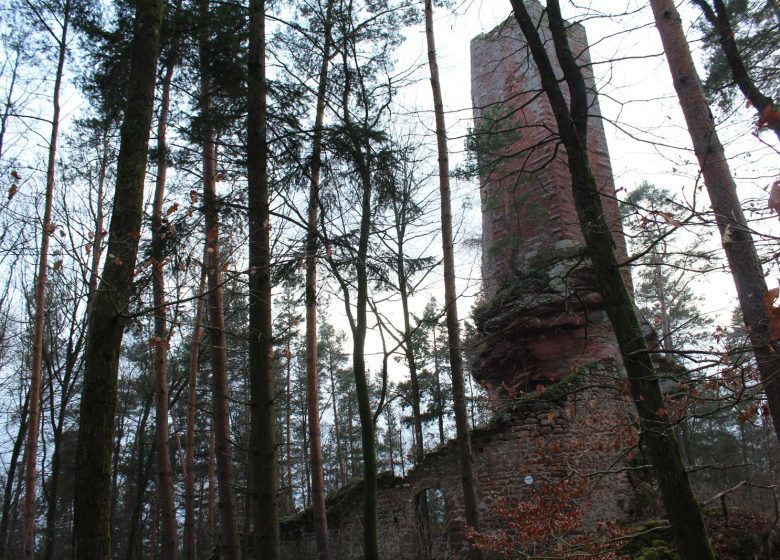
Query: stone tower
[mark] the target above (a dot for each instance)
(542, 315)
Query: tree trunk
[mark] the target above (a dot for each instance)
(160, 340)
(134, 497)
(212, 475)
(336, 431)
(94, 269)
(263, 464)
(657, 434)
(288, 442)
(411, 361)
(439, 393)
(190, 532)
(92, 503)
(367, 430)
(735, 234)
(58, 413)
(13, 464)
(34, 406)
(450, 293)
(229, 545)
(312, 379)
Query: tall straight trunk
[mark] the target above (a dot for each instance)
(401, 445)
(154, 537)
(450, 292)
(92, 503)
(735, 233)
(211, 520)
(657, 433)
(367, 429)
(720, 21)
(423, 533)
(97, 250)
(190, 531)
(439, 395)
(411, 361)
(353, 462)
(312, 379)
(342, 472)
(58, 415)
(160, 364)
(229, 544)
(262, 464)
(288, 433)
(33, 426)
(13, 464)
(135, 493)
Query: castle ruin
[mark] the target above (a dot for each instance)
(542, 322)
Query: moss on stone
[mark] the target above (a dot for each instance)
(651, 541)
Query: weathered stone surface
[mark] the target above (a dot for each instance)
(579, 427)
(542, 315)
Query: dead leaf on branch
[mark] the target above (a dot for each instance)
(670, 219)
(769, 118)
(172, 209)
(774, 198)
(772, 312)
(12, 190)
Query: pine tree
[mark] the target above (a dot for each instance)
(92, 504)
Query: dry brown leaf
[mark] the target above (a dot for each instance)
(772, 312)
(670, 219)
(774, 198)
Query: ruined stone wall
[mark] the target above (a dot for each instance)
(541, 320)
(578, 428)
(542, 315)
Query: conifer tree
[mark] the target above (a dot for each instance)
(92, 504)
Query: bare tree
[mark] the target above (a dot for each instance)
(657, 433)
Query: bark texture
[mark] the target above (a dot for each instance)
(92, 502)
(263, 465)
(657, 434)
